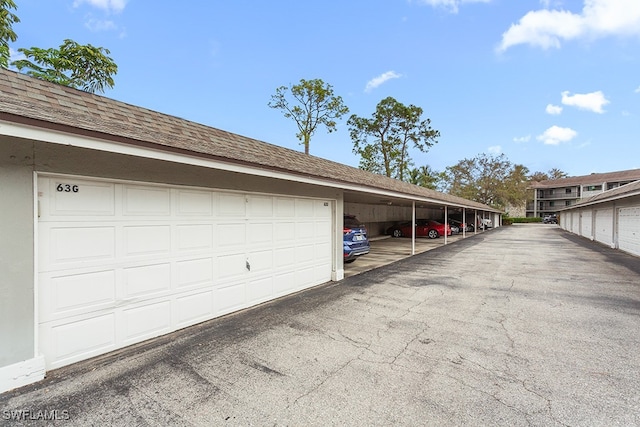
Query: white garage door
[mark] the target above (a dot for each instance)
(575, 222)
(629, 230)
(123, 262)
(586, 228)
(604, 226)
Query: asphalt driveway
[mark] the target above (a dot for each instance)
(523, 325)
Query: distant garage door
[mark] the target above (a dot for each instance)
(121, 262)
(629, 230)
(604, 226)
(586, 229)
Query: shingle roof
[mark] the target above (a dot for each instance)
(52, 105)
(594, 178)
(628, 190)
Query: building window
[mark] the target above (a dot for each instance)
(567, 203)
(593, 188)
(567, 191)
(551, 203)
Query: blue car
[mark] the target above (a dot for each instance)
(355, 240)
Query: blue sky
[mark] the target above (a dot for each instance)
(551, 84)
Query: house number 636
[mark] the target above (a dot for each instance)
(67, 188)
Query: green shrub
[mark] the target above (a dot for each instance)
(525, 220)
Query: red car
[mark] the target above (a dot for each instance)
(424, 228)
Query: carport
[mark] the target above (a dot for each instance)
(379, 210)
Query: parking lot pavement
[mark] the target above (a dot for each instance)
(524, 325)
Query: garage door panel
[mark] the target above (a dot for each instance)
(146, 321)
(232, 205)
(260, 233)
(229, 298)
(283, 257)
(260, 261)
(284, 283)
(194, 203)
(74, 244)
(259, 290)
(192, 309)
(322, 229)
(232, 265)
(145, 260)
(148, 201)
(284, 233)
(195, 237)
(146, 280)
(79, 339)
(285, 208)
(305, 254)
(194, 272)
(304, 208)
(322, 253)
(69, 295)
(260, 206)
(75, 198)
(147, 240)
(305, 230)
(229, 235)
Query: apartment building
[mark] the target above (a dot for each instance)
(548, 197)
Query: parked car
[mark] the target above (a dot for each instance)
(460, 225)
(424, 228)
(354, 238)
(550, 219)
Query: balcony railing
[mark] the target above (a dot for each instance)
(557, 196)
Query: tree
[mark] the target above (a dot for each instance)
(79, 66)
(426, 177)
(313, 104)
(384, 140)
(7, 19)
(554, 173)
(492, 180)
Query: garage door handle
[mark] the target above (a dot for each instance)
(248, 265)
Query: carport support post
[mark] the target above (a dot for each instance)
(413, 228)
(446, 222)
(475, 221)
(464, 222)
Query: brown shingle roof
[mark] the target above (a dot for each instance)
(49, 105)
(594, 178)
(628, 190)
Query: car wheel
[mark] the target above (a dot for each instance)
(433, 234)
(397, 233)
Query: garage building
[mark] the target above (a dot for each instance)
(121, 224)
(611, 218)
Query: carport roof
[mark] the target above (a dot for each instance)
(29, 101)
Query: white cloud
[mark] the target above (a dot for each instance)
(637, 90)
(107, 5)
(598, 18)
(520, 139)
(593, 101)
(452, 5)
(100, 25)
(14, 55)
(554, 110)
(377, 81)
(495, 149)
(555, 135)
